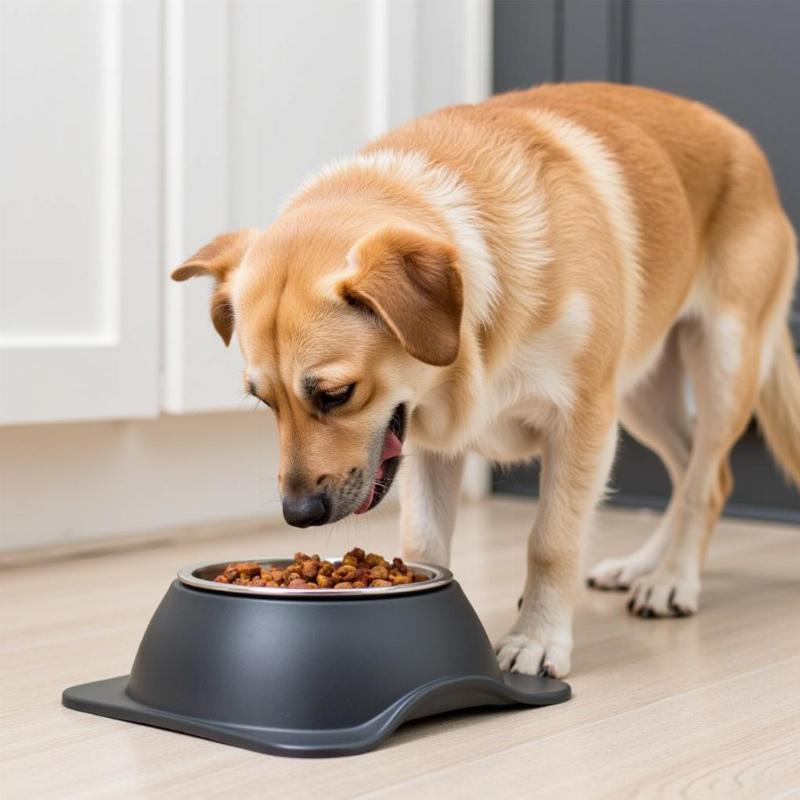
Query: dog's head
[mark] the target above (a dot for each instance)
(342, 325)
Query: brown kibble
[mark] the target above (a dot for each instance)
(347, 572)
(310, 569)
(355, 571)
(245, 569)
(379, 572)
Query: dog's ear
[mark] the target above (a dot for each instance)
(218, 259)
(412, 281)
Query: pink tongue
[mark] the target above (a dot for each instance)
(392, 446)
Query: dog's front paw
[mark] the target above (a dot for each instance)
(618, 574)
(664, 594)
(533, 656)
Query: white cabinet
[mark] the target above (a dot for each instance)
(102, 194)
(79, 209)
(260, 93)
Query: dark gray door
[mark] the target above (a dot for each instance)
(740, 56)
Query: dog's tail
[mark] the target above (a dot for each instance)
(778, 408)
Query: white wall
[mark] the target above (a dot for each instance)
(77, 481)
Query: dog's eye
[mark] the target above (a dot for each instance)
(335, 397)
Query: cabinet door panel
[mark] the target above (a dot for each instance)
(79, 206)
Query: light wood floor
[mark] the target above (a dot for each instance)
(695, 708)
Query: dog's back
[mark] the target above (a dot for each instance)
(688, 180)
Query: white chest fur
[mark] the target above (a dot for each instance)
(535, 387)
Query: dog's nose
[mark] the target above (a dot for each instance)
(305, 510)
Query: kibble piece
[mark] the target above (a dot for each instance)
(310, 569)
(343, 585)
(347, 572)
(247, 568)
(378, 582)
(379, 572)
(298, 583)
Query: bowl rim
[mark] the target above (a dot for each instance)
(438, 576)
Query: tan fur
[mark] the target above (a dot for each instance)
(413, 283)
(778, 408)
(217, 260)
(521, 274)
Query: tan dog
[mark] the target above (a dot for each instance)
(513, 278)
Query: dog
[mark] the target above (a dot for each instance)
(517, 278)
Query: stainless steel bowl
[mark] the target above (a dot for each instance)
(201, 576)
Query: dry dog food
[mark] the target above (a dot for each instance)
(356, 570)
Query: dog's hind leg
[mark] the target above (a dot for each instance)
(727, 347)
(655, 413)
(429, 490)
(722, 356)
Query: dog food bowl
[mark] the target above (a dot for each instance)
(308, 672)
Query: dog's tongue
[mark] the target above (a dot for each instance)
(392, 446)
